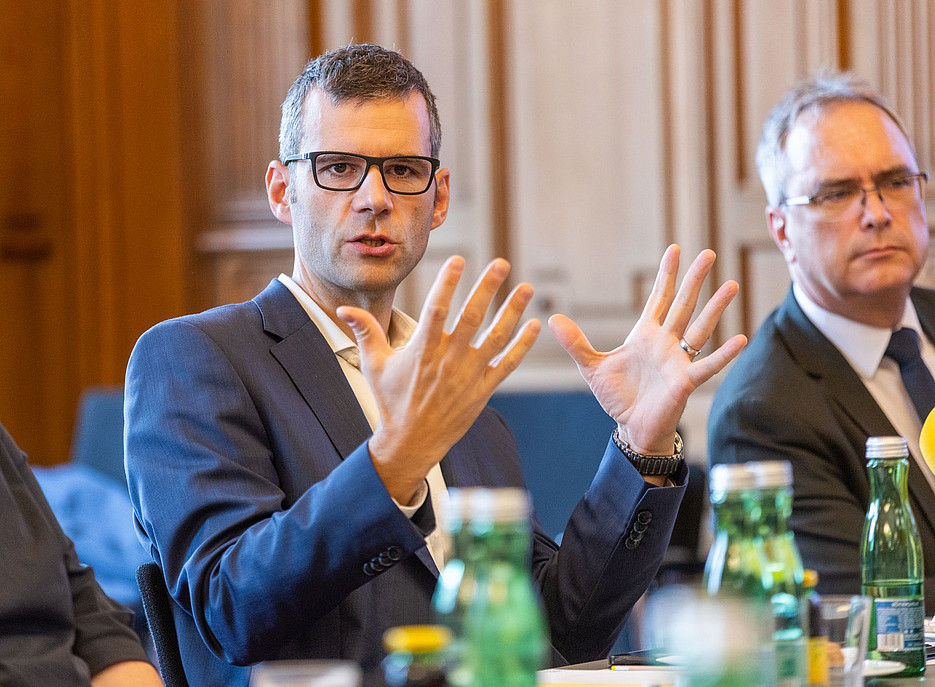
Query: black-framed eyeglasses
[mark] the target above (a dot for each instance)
(408, 175)
(897, 193)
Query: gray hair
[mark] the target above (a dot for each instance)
(356, 72)
(816, 95)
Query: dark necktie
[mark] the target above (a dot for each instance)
(904, 349)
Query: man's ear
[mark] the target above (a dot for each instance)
(277, 191)
(776, 224)
(442, 196)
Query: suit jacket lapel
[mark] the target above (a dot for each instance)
(311, 364)
(821, 360)
(825, 363)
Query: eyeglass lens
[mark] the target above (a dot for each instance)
(898, 194)
(342, 172)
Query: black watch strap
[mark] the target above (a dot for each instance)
(652, 465)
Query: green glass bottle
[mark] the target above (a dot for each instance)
(891, 559)
(736, 561)
(455, 590)
(486, 594)
(735, 579)
(773, 480)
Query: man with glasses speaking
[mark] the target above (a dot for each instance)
(849, 352)
(288, 457)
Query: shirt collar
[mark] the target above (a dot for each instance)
(862, 345)
(401, 325)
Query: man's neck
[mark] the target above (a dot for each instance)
(380, 307)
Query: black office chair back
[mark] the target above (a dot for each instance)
(157, 605)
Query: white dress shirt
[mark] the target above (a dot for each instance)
(864, 347)
(401, 329)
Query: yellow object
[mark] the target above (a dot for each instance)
(927, 440)
(416, 638)
(818, 661)
(817, 651)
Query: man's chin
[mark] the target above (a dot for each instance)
(895, 282)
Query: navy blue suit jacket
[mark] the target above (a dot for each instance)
(792, 396)
(253, 489)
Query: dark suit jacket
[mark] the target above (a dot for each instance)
(254, 491)
(793, 396)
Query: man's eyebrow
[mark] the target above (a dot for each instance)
(892, 172)
(832, 184)
(848, 182)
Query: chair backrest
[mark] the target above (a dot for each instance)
(98, 438)
(157, 605)
(561, 436)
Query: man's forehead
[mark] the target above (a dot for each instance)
(846, 139)
(399, 116)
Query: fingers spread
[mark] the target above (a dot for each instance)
(510, 357)
(660, 298)
(498, 333)
(572, 339)
(702, 328)
(687, 297)
(438, 302)
(475, 307)
(705, 368)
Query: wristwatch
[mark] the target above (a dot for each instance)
(651, 465)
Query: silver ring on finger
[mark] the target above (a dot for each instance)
(688, 348)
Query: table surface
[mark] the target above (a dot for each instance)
(927, 679)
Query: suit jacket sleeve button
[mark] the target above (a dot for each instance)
(631, 544)
(644, 516)
(368, 569)
(395, 553)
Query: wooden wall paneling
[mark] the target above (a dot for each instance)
(693, 219)
(449, 42)
(151, 241)
(132, 245)
(819, 38)
(38, 382)
(253, 53)
(892, 47)
(690, 199)
(340, 24)
(388, 24)
(587, 142)
(753, 66)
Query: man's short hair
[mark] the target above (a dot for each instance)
(356, 72)
(814, 95)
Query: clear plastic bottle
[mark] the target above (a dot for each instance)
(773, 480)
(891, 559)
(486, 594)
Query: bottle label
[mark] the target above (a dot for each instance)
(899, 624)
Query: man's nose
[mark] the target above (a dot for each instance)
(373, 194)
(874, 211)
